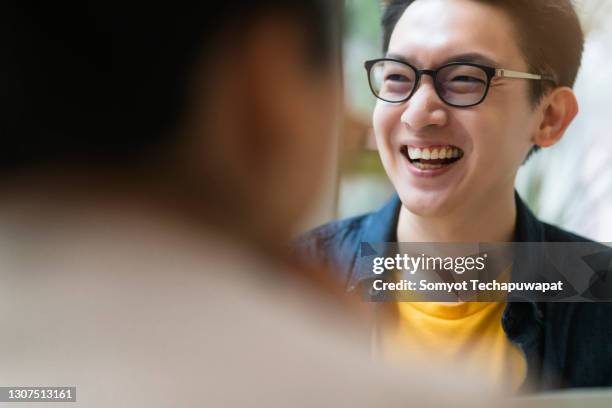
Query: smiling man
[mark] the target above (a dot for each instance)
(467, 90)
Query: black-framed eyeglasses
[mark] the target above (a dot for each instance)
(458, 84)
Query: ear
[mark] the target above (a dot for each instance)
(558, 109)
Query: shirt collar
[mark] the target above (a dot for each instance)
(381, 225)
(528, 228)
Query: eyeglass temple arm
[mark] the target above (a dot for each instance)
(508, 73)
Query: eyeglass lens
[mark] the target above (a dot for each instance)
(459, 85)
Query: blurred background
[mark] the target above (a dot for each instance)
(569, 185)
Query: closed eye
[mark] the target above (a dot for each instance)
(465, 78)
(397, 78)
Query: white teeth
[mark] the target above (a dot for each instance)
(414, 153)
(426, 166)
(446, 152)
(434, 153)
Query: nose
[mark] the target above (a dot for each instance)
(424, 108)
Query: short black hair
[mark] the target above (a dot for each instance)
(548, 33)
(106, 81)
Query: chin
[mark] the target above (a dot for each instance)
(427, 203)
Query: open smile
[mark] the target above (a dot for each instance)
(432, 160)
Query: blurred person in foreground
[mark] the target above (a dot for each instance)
(155, 161)
(467, 90)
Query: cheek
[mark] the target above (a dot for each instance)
(498, 143)
(510, 123)
(307, 146)
(319, 127)
(386, 121)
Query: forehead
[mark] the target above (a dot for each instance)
(431, 31)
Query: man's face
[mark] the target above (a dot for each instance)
(492, 138)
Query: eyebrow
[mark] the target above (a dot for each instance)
(470, 57)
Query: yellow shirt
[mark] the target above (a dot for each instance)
(468, 333)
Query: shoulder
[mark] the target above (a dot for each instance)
(334, 232)
(580, 332)
(336, 245)
(555, 234)
(333, 245)
(578, 336)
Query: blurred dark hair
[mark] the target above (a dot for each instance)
(548, 33)
(103, 81)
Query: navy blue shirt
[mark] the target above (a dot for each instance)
(566, 345)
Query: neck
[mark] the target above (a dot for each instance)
(488, 220)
